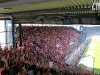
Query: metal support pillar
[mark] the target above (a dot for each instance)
(13, 33)
(20, 32)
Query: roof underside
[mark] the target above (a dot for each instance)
(45, 11)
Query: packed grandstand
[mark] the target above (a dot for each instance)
(51, 50)
(48, 50)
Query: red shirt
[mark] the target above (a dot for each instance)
(21, 74)
(19, 63)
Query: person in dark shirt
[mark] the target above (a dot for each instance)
(2, 66)
(14, 70)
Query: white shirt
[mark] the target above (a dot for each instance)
(30, 72)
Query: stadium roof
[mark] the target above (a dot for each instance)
(12, 6)
(47, 11)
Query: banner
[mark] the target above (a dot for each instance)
(51, 64)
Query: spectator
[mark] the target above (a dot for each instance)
(2, 66)
(14, 70)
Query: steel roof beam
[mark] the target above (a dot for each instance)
(54, 11)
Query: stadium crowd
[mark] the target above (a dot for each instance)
(49, 41)
(41, 45)
(22, 62)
